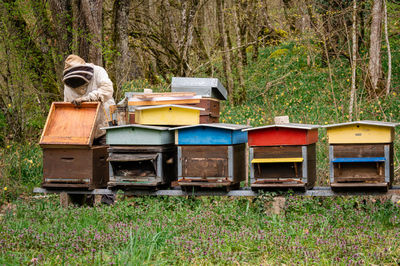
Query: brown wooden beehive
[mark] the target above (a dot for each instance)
(69, 159)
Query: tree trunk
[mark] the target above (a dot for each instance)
(124, 63)
(91, 14)
(375, 66)
(226, 58)
(60, 13)
(389, 75)
(353, 61)
(241, 95)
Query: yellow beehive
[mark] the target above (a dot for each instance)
(361, 132)
(173, 115)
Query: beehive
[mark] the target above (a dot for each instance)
(211, 155)
(283, 156)
(172, 115)
(141, 156)
(69, 159)
(361, 154)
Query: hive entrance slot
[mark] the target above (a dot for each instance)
(127, 171)
(278, 171)
(359, 171)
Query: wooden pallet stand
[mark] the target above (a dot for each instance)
(69, 159)
(283, 156)
(361, 155)
(211, 155)
(141, 157)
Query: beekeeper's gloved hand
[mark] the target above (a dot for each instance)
(78, 101)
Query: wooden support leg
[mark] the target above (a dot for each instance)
(97, 200)
(65, 200)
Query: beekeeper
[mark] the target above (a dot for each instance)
(86, 82)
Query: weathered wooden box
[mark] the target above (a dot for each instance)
(283, 156)
(174, 115)
(85, 168)
(139, 135)
(206, 87)
(211, 110)
(147, 167)
(69, 159)
(361, 155)
(211, 155)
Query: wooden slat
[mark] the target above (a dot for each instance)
(359, 160)
(164, 94)
(162, 102)
(277, 160)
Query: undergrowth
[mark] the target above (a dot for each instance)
(206, 230)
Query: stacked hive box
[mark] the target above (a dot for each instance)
(141, 156)
(69, 159)
(361, 154)
(211, 92)
(211, 155)
(283, 156)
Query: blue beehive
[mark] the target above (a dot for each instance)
(211, 155)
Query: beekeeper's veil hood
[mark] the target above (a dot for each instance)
(76, 72)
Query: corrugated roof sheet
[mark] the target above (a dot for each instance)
(138, 126)
(168, 105)
(215, 125)
(365, 122)
(194, 83)
(288, 125)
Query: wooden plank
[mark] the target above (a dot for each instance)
(359, 160)
(358, 150)
(163, 94)
(359, 185)
(353, 134)
(359, 179)
(70, 125)
(277, 160)
(163, 102)
(277, 151)
(276, 170)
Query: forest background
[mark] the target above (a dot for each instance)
(318, 61)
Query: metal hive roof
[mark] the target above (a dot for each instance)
(215, 125)
(365, 122)
(138, 126)
(287, 125)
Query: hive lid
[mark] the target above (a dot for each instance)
(169, 105)
(199, 85)
(215, 125)
(69, 125)
(288, 125)
(137, 126)
(365, 122)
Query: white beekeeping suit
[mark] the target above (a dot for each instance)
(86, 82)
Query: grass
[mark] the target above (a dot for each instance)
(204, 230)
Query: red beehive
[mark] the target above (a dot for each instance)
(283, 156)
